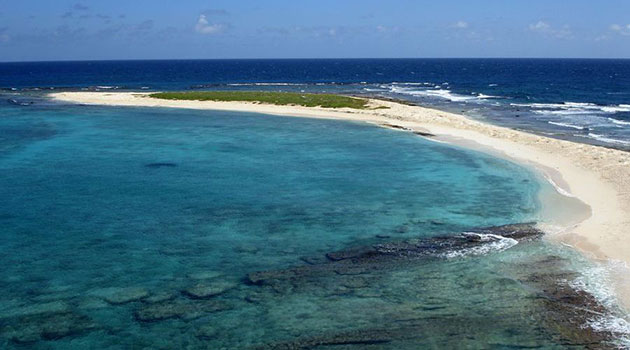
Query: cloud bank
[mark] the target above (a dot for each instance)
(548, 30)
(203, 26)
(620, 29)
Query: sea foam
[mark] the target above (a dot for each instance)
(574, 108)
(619, 122)
(438, 92)
(567, 125)
(491, 243)
(596, 280)
(603, 138)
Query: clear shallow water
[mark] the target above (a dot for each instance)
(119, 226)
(582, 100)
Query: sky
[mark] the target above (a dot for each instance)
(40, 30)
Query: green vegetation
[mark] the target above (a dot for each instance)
(270, 97)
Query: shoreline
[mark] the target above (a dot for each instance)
(591, 174)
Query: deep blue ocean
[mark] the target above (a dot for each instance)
(157, 228)
(582, 100)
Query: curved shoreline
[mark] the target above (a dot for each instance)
(595, 175)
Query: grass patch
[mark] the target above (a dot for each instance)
(270, 97)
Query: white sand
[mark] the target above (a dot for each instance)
(598, 176)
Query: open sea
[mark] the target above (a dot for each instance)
(156, 228)
(586, 100)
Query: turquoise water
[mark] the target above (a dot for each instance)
(129, 228)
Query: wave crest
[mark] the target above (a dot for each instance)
(492, 243)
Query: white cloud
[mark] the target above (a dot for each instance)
(621, 29)
(461, 25)
(205, 27)
(563, 33)
(540, 26)
(386, 29)
(602, 37)
(547, 29)
(319, 31)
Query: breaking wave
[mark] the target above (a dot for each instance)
(267, 84)
(603, 138)
(437, 92)
(619, 122)
(567, 125)
(596, 280)
(491, 243)
(573, 108)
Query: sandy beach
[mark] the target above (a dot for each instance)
(597, 176)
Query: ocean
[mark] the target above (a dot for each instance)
(157, 228)
(582, 100)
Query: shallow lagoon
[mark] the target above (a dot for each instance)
(137, 228)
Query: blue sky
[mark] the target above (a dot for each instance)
(139, 29)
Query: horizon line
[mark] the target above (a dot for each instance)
(315, 58)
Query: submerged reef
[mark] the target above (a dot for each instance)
(160, 165)
(354, 275)
(386, 256)
(562, 311)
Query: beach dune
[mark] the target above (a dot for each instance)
(597, 176)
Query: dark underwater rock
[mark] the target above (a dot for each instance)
(126, 295)
(354, 282)
(161, 165)
(402, 229)
(550, 261)
(255, 298)
(50, 326)
(437, 246)
(159, 297)
(208, 289)
(349, 253)
(357, 338)
(526, 231)
(425, 134)
(394, 126)
(246, 248)
(568, 311)
(313, 260)
(395, 333)
(178, 309)
(51, 307)
(366, 259)
(208, 332)
(562, 312)
(414, 331)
